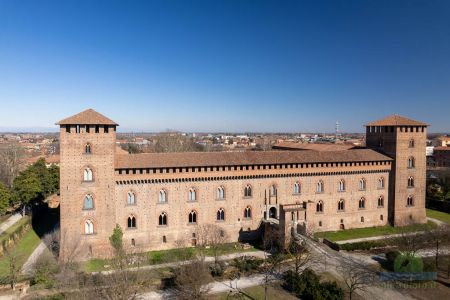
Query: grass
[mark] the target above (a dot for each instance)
(439, 215)
(5, 217)
(22, 249)
(371, 232)
(164, 256)
(11, 229)
(257, 292)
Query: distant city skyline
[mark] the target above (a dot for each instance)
(225, 66)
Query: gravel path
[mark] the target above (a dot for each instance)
(10, 222)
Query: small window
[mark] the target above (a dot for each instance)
(297, 188)
(247, 212)
(131, 198)
(67, 128)
(106, 129)
(88, 227)
(381, 217)
(248, 191)
(192, 217)
(381, 201)
(411, 182)
(362, 219)
(162, 196)
(220, 215)
(131, 222)
(319, 187)
(341, 205)
(410, 201)
(133, 242)
(411, 143)
(97, 128)
(362, 203)
(192, 195)
(362, 184)
(87, 175)
(164, 239)
(273, 190)
(88, 202)
(381, 183)
(341, 185)
(162, 219)
(320, 223)
(319, 206)
(87, 148)
(220, 193)
(411, 163)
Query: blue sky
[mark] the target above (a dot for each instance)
(225, 65)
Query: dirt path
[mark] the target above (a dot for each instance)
(10, 222)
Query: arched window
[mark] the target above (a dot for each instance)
(341, 185)
(88, 227)
(87, 148)
(319, 206)
(131, 222)
(87, 174)
(162, 219)
(362, 203)
(247, 212)
(297, 188)
(362, 184)
(380, 201)
(131, 198)
(341, 205)
(162, 196)
(192, 217)
(88, 202)
(381, 183)
(362, 219)
(411, 162)
(221, 215)
(410, 201)
(192, 194)
(411, 181)
(273, 190)
(248, 191)
(411, 143)
(220, 193)
(319, 187)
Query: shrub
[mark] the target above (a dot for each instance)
(390, 257)
(367, 245)
(45, 271)
(217, 269)
(408, 263)
(246, 263)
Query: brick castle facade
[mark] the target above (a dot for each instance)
(159, 199)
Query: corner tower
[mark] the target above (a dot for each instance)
(404, 140)
(87, 208)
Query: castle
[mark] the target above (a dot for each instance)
(161, 198)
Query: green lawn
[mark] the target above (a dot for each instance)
(257, 292)
(371, 231)
(22, 249)
(11, 229)
(164, 256)
(439, 215)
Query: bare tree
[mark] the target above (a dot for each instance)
(438, 236)
(175, 142)
(408, 242)
(357, 277)
(213, 237)
(11, 162)
(300, 255)
(191, 280)
(14, 267)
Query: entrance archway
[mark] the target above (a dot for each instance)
(273, 213)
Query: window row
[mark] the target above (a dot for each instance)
(341, 204)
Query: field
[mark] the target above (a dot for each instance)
(439, 215)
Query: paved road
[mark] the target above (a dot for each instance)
(10, 222)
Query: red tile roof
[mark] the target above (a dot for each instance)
(209, 159)
(87, 117)
(396, 120)
(310, 146)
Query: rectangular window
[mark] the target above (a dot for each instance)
(106, 129)
(67, 128)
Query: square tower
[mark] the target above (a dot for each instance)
(87, 207)
(404, 140)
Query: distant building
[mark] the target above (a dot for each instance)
(160, 199)
(442, 156)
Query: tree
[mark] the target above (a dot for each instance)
(14, 267)
(40, 169)
(356, 276)
(212, 236)
(116, 240)
(5, 198)
(300, 255)
(191, 280)
(53, 179)
(11, 161)
(26, 189)
(437, 236)
(175, 142)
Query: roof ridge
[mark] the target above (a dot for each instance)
(87, 117)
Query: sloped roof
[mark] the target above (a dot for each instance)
(87, 117)
(311, 146)
(210, 159)
(396, 120)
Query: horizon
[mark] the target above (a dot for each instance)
(225, 66)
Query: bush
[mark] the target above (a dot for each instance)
(367, 245)
(246, 263)
(408, 263)
(45, 271)
(390, 257)
(308, 286)
(217, 269)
